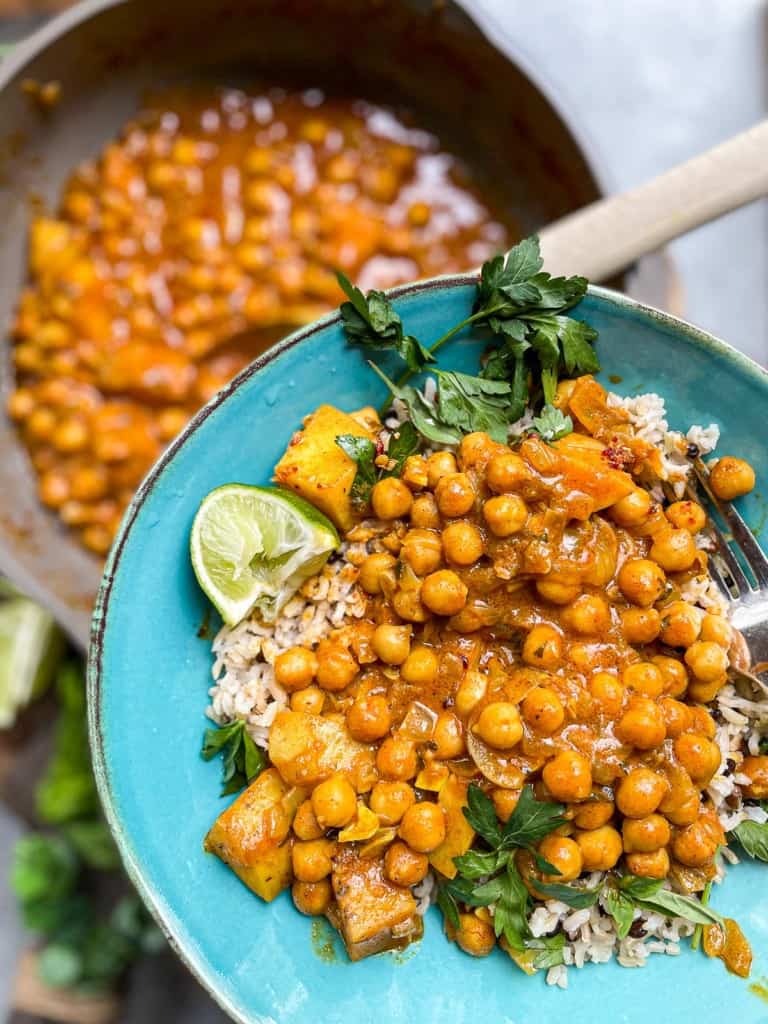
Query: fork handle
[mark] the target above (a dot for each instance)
(607, 236)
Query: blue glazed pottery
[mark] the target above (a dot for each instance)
(149, 673)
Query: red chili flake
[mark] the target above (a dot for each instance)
(617, 454)
(465, 661)
(379, 447)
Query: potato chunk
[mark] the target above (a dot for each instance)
(459, 834)
(250, 836)
(371, 913)
(306, 749)
(316, 468)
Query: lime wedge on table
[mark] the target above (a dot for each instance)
(253, 547)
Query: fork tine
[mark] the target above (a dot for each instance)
(755, 556)
(727, 556)
(717, 576)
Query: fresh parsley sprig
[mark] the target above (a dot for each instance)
(365, 454)
(242, 759)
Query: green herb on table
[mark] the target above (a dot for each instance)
(242, 760)
(753, 837)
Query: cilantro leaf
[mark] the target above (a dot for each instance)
(481, 815)
(530, 821)
(372, 320)
(362, 451)
(552, 424)
(242, 760)
(621, 908)
(476, 403)
(753, 838)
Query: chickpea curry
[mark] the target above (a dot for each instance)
(520, 706)
(210, 228)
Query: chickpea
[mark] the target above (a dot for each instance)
(755, 768)
(295, 668)
(476, 448)
(640, 792)
(556, 591)
(404, 866)
(633, 509)
(674, 550)
(310, 701)
(334, 802)
(312, 898)
(40, 424)
(716, 629)
(463, 543)
(568, 776)
(439, 464)
(543, 710)
(642, 725)
(687, 515)
(53, 488)
(444, 593)
(702, 721)
(390, 800)
(499, 725)
(731, 478)
(674, 672)
(71, 435)
(676, 717)
(648, 865)
(422, 550)
(705, 693)
(475, 937)
(608, 691)
(600, 848)
(682, 803)
(643, 677)
(641, 581)
(505, 514)
(423, 827)
(470, 692)
(448, 737)
(312, 859)
(420, 667)
(369, 719)
(707, 660)
(640, 625)
(392, 644)
(374, 569)
(305, 824)
(455, 494)
(695, 845)
(415, 472)
(593, 814)
(391, 499)
(506, 472)
(424, 513)
(407, 604)
(698, 755)
(645, 835)
(396, 759)
(88, 483)
(505, 801)
(589, 615)
(21, 402)
(564, 854)
(336, 668)
(543, 647)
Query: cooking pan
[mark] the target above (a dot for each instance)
(432, 58)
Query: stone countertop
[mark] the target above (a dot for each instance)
(651, 83)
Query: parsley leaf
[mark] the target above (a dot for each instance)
(243, 761)
(530, 821)
(402, 444)
(481, 815)
(422, 412)
(510, 917)
(362, 451)
(552, 424)
(372, 320)
(475, 864)
(753, 838)
(476, 403)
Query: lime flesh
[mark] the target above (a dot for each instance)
(253, 547)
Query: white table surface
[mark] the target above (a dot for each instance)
(653, 82)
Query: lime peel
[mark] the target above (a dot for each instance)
(253, 547)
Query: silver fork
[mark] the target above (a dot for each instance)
(743, 581)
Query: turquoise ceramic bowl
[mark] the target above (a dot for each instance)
(149, 672)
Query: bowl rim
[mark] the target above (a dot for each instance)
(153, 899)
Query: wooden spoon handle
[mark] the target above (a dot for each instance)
(609, 235)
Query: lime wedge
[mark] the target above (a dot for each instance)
(253, 547)
(30, 647)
